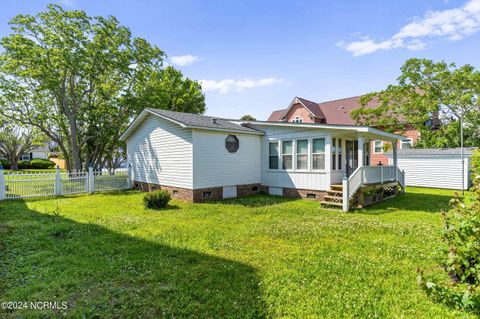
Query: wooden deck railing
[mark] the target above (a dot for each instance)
(365, 175)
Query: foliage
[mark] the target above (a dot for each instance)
(248, 117)
(256, 257)
(476, 163)
(156, 199)
(24, 164)
(462, 238)
(429, 97)
(81, 79)
(5, 163)
(16, 140)
(41, 163)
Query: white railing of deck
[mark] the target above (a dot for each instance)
(25, 185)
(365, 175)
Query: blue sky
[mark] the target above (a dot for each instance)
(255, 56)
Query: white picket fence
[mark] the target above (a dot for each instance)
(26, 185)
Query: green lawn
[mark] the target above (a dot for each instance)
(257, 257)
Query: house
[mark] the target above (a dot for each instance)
(338, 112)
(199, 158)
(40, 152)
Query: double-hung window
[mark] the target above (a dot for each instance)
(339, 152)
(407, 143)
(273, 155)
(302, 154)
(378, 147)
(287, 154)
(334, 153)
(318, 154)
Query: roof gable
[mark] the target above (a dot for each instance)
(312, 107)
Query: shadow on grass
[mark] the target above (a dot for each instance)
(105, 274)
(432, 203)
(259, 200)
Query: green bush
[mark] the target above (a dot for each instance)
(460, 285)
(5, 164)
(23, 164)
(156, 199)
(476, 163)
(38, 163)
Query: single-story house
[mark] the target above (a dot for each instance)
(435, 167)
(199, 158)
(40, 152)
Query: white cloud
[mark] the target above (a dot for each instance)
(184, 60)
(224, 86)
(452, 24)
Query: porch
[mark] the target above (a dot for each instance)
(354, 172)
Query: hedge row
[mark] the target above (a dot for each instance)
(35, 163)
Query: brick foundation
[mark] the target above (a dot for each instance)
(304, 193)
(198, 195)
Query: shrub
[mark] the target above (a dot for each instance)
(460, 286)
(5, 164)
(156, 199)
(39, 163)
(476, 163)
(24, 164)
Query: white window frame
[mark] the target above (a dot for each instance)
(408, 139)
(375, 147)
(324, 155)
(25, 154)
(297, 119)
(279, 167)
(307, 153)
(292, 154)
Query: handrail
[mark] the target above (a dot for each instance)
(370, 175)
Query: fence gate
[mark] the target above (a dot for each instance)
(26, 185)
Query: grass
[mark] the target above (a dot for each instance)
(106, 256)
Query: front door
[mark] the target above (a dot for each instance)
(351, 157)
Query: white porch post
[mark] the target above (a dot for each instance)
(345, 195)
(361, 150)
(328, 158)
(395, 158)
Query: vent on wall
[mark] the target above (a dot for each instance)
(207, 194)
(311, 195)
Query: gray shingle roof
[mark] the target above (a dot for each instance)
(435, 151)
(203, 121)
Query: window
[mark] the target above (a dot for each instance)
(406, 143)
(273, 155)
(318, 154)
(287, 155)
(232, 143)
(25, 157)
(378, 147)
(302, 154)
(339, 152)
(297, 119)
(334, 153)
(366, 154)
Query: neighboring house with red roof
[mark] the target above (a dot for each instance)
(337, 112)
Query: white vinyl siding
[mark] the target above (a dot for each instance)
(437, 171)
(160, 152)
(214, 166)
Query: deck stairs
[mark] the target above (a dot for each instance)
(334, 197)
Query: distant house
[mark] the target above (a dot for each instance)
(337, 112)
(199, 158)
(38, 152)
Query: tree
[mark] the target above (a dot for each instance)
(15, 141)
(248, 117)
(431, 97)
(80, 80)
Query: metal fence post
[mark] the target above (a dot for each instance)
(381, 174)
(58, 182)
(129, 176)
(345, 194)
(2, 183)
(91, 181)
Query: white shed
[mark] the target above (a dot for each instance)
(437, 168)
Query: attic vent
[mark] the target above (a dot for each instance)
(214, 121)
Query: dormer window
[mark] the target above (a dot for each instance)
(297, 119)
